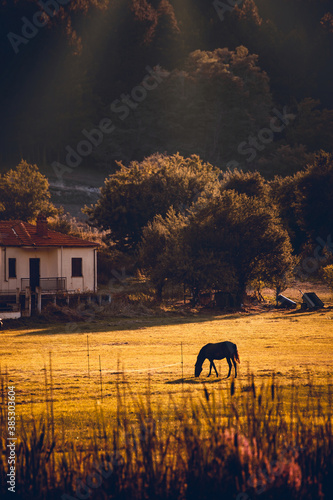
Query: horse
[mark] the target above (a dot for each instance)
(220, 350)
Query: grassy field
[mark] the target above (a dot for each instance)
(148, 350)
(152, 430)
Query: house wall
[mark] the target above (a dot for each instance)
(87, 281)
(54, 262)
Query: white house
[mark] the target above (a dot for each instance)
(34, 256)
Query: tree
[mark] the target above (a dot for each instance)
(305, 201)
(245, 236)
(285, 196)
(225, 241)
(249, 183)
(327, 274)
(314, 197)
(160, 248)
(209, 107)
(24, 192)
(285, 160)
(312, 126)
(132, 196)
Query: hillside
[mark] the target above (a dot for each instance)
(169, 76)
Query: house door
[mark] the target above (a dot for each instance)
(34, 273)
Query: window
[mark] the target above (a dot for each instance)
(11, 268)
(76, 267)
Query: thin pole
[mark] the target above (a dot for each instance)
(182, 359)
(52, 412)
(46, 399)
(51, 396)
(88, 356)
(149, 395)
(100, 372)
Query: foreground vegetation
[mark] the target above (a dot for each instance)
(139, 425)
(242, 443)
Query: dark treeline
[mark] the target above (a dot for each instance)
(61, 78)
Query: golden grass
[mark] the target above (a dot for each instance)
(293, 345)
(154, 433)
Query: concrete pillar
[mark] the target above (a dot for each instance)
(27, 305)
(39, 299)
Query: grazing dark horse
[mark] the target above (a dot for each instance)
(220, 350)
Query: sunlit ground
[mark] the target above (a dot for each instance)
(146, 353)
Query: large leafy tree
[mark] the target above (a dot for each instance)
(226, 241)
(285, 196)
(208, 107)
(24, 192)
(249, 183)
(314, 197)
(293, 41)
(313, 126)
(132, 196)
(285, 160)
(161, 252)
(305, 201)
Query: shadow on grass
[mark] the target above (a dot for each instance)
(193, 381)
(302, 313)
(43, 327)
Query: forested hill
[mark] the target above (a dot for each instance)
(214, 76)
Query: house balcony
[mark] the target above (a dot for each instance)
(46, 284)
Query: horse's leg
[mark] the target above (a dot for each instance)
(230, 366)
(210, 369)
(234, 363)
(215, 368)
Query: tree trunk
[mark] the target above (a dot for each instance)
(159, 290)
(240, 295)
(195, 296)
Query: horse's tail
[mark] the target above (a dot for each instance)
(236, 355)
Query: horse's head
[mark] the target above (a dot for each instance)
(198, 369)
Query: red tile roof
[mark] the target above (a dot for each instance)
(16, 233)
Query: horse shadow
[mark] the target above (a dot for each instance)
(192, 380)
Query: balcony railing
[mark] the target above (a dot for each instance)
(46, 284)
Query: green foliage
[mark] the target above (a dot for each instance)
(207, 108)
(65, 223)
(249, 183)
(132, 197)
(327, 273)
(292, 41)
(161, 251)
(285, 196)
(225, 241)
(314, 197)
(284, 160)
(304, 201)
(62, 223)
(313, 126)
(24, 192)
